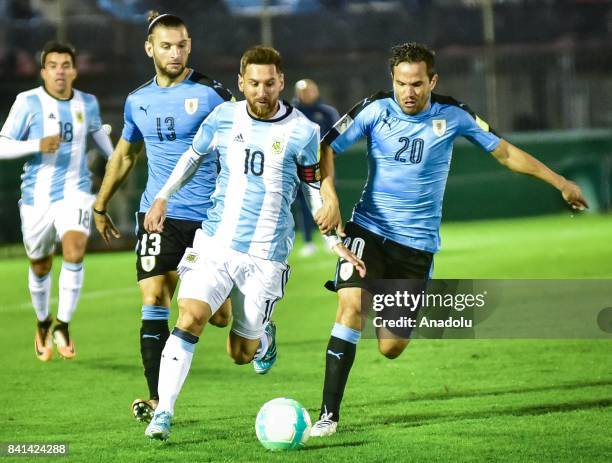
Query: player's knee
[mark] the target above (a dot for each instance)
(392, 350)
(241, 357)
(41, 267)
(220, 320)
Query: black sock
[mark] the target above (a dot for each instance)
(339, 356)
(153, 337)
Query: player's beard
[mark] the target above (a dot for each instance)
(167, 71)
(263, 111)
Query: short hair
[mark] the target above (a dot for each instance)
(413, 52)
(154, 19)
(57, 47)
(260, 54)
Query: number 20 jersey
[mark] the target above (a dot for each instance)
(409, 159)
(167, 118)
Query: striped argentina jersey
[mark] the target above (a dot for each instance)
(36, 114)
(258, 180)
(409, 160)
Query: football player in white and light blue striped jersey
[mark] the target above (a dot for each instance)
(265, 148)
(49, 125)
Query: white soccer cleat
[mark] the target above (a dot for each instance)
(159, 427)
(324, 427)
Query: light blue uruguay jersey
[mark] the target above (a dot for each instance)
(409, 158)
(36, 114)
(167, 118)
(258, 180)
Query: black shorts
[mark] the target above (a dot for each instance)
(384, 260)
(159, 253)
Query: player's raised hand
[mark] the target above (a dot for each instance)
(347, 255)
(49, 144)
(106, 227)
(572, 194)
(156, 215)
(328, 219)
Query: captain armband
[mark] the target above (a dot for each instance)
(309, 174)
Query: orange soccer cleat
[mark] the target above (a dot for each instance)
(61, 337)
(43, 346)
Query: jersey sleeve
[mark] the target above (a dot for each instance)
(93, 115)
(205, 139)
(131, 133)
(18, 121)
(310, 154)
(477, 130)
(351, 127)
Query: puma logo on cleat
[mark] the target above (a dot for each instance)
(154, 336)
(338, 355)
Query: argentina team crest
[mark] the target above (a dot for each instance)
(191, 105)
(439, 127)
(277, 147)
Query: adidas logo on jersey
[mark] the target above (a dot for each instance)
(51, 116)
(238, 138)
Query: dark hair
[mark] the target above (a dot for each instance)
(260, 54)
(57, 47)
(167, 20)
(413, 52)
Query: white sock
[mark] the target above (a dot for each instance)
(70, 283)
(173, 369)
(40, 292)
(264, 343)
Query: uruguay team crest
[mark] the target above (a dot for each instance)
(191, 105)
(346, 270)
(439, 127)
(147, 263)
(277, 147)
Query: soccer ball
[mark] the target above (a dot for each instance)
(282, 424)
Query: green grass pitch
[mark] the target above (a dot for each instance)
(442, 400)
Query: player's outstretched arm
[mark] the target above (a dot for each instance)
(14, 149)
(520, 161)
(103, 140)
(118, 167)
(328, 217)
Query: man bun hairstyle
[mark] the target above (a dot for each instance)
(154, 19)
(413, 52)
(57, 47)
(261, 54)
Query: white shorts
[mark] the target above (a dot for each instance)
(43, 227)
(209, 272)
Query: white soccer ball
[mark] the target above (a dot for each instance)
(282, 424)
